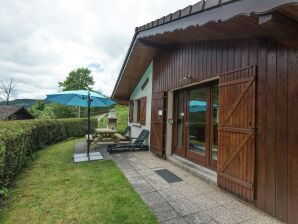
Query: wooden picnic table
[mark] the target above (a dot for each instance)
(104, 134)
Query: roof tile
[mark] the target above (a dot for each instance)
(225, 1)
(176, 15)
(191, 9)
(168, 18)
(155, 23)
(197, 7)
(211, 3)
(161, 20)
(186, 11)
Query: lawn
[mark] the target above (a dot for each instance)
(52, 190)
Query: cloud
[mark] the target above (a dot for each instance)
(95, 67)
(41, 41)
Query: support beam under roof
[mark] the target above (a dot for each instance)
(280, 27)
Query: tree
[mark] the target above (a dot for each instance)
(59, 111)
(79, 78)
(7, 89)
(37, 108)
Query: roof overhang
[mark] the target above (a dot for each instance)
(238, 19)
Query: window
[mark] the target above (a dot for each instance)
(131, 103)
(145, 84)
(137, 111)
(142, 111)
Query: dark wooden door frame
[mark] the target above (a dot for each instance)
(206, 160)
(178, 150)
(212, 162)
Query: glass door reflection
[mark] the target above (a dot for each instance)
(180, 120)
(214, 122)
(197, 116)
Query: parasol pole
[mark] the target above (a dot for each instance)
(88, 144)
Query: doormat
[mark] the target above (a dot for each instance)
(168, 176)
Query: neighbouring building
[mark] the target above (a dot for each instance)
(14, 113)
(216, 83)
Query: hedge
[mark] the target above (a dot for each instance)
(19, 140)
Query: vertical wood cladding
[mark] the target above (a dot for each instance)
(276, 186)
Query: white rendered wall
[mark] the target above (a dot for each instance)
(138, 93)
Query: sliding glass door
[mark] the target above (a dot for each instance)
(195, 124)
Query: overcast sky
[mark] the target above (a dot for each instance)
(42, 41)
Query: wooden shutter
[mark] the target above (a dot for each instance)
(236, 136)
(131, 111)
(142, 108)
(158, 123)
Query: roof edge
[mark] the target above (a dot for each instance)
(125, 61)
(191, 15)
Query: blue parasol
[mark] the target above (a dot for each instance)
(82, 98)
(199, 106)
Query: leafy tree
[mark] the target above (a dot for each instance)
(51, 111)
(37, 108)
(56, 110)
(79, 78)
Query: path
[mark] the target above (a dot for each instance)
(190, 201)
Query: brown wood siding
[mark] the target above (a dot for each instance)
(292, 135)
(277, 100)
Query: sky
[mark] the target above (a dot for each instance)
(41, 41)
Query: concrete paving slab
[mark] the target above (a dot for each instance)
(203, 202)
(184, 206)
(198, 218)
(175, 221)
(166, 215)
(192, 200)
(142, 186)
(222, 215)
(152, 198)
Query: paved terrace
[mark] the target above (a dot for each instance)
(192, 200)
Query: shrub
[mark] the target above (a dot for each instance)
(19, 140)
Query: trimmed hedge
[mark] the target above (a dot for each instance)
(19, 140)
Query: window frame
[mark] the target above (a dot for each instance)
(135, 113)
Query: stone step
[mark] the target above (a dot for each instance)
(209, 175)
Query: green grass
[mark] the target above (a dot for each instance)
(122, 118)
(52, 190)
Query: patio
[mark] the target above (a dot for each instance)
(189, 201)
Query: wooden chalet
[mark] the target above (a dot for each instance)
(14, 113)
(216, 83)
